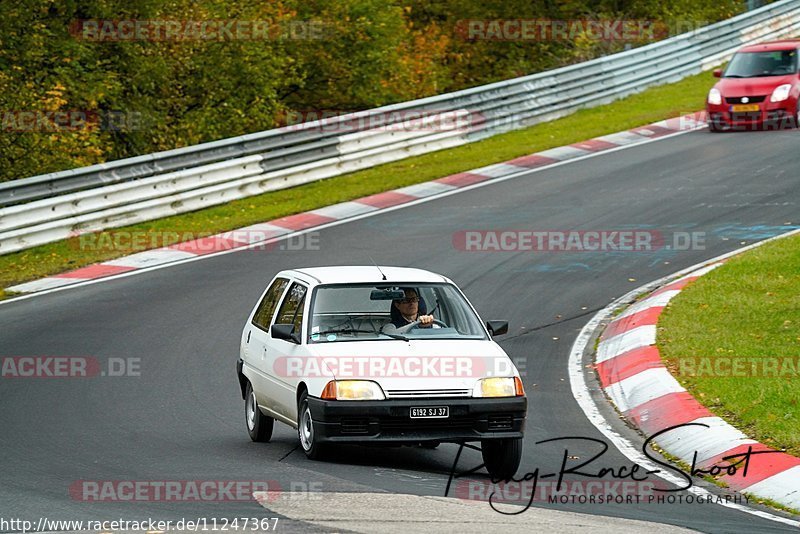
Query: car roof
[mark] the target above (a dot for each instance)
(344, 274)
(771, 46)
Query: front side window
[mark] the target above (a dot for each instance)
(291, 311)
(362, 312)
(266, 309)
(758, 64)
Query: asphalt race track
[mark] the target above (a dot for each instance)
(182, 418)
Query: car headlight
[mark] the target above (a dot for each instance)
(353, 390)
(499, 387)
(714, 97)
(781, 93)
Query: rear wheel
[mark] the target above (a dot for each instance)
(259, 426)
(502, 457)
(306, 431)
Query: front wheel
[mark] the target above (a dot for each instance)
(502, 457)
(259, 426)
(306, 431)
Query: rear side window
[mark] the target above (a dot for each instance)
(291, 311)
(266, 309)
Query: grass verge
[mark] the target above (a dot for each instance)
(732, 338)
(649, 106)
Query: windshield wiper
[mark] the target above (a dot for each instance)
(395, 336)
(345, 331)
(354, 331)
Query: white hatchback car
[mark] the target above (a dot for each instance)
(336, 352)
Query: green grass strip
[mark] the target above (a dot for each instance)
(652, 105)
(732, 338)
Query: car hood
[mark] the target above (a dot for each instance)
(732, 87)
(415, 365)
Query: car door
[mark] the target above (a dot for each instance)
(278, 351)
(254, 341)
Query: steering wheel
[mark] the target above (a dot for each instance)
(415, 324)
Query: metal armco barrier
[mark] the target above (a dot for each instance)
(50, 207)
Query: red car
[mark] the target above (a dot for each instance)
(759, 88)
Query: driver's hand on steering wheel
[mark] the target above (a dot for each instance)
(426, 321)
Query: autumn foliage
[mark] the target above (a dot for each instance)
(145, 95)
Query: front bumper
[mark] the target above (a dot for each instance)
(388, 421)
(773, 115)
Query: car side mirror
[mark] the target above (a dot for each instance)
(497, 328)
(717, 73)
(285, 332)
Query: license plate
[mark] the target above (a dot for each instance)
(430, 412)
(738, 108)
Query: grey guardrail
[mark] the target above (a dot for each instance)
(50, 207)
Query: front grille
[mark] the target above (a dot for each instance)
(426, 393)
(501, 421)
(750, 99)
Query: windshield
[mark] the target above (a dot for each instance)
(372, 312)
(757, 64)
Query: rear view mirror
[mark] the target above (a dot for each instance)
(717, 73)
(387, 294)
(497, 328)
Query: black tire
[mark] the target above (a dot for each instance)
(714, 126)
(430, 444)
(502, 457)
(259, 426)
(306, 432)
